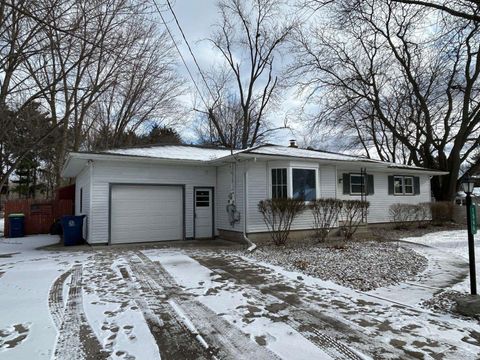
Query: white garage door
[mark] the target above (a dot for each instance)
(144, 213)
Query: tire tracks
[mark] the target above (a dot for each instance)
(224, 339)
(172, 338)
(55, 298)
(76, 339)
(318, 328)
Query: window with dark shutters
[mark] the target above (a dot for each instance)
(401, 185)
(355, 184)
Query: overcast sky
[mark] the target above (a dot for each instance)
(197, 18)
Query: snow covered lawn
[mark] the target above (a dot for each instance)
(201, 303)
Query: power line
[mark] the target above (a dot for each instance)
(189, 48)
(181, 55)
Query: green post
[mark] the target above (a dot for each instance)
(473, 218)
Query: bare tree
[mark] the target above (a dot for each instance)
(20, 24)
(249, 38)
(465, 9)
(78, 59)
(406, 94)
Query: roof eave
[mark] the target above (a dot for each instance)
(67, 170)
(374, 163)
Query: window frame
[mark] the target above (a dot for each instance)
(361, 184)
(202, 200)
(404, 192)
(278, 185)
(289, 166)
(315, 172)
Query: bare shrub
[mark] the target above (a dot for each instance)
(352, 214)
(400, 215)
(325, 215)
(278, 215)
(442, 212)
(404, 215)
(423, 215)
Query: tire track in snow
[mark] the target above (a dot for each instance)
(173, 339)
(76, 339)
(227, 341)
(305, 319)
(55, 298)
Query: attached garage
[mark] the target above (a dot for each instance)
(146, 213)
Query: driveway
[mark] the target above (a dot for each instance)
(201, 303)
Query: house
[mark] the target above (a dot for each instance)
(174, 192)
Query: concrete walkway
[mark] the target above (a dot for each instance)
(444, 271)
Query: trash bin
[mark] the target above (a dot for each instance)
(72, 230)
(16, 225)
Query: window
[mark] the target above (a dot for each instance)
(303, 184)
(403, 185)
(279, 183)
(357, 184)
(202, 198)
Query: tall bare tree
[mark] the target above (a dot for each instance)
(143, 94)
(407, 94)
(76, 58)
(465, 9)
(249, 38)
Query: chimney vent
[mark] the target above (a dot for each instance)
(293, 143)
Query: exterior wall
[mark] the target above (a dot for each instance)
(229, 178)
(259, 189)
(83, 182)
(106, 173)
(381, 201)
(96, 178)
(329, 187)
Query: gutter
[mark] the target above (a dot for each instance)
(251, 245)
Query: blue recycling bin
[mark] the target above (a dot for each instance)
(16, 225)
(72, 230)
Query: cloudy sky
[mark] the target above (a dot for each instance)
(197, 18)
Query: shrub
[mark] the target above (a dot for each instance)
(325, 215)
(278, 215)
(442, 212)
(404, 215)
(423, 215)
(353, 212)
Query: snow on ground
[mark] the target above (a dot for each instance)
(453, 245)
(365, 324)
(26, 274)
(279, 337)
(202, 303)
(454, 242)
(363, 266)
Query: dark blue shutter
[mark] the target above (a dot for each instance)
(346, 184)
(390, 185)
(416, 185)
(370, 185)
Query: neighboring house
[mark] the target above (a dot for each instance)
(181, 192)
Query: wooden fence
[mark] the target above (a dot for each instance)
(39, 215)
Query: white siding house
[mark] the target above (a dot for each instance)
(179, 192)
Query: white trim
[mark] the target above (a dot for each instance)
(403, 192)
(289, 166)
(364, 182)
(317, 180)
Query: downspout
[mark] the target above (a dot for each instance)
(251, 246)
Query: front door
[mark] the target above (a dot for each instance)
(203, 213)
